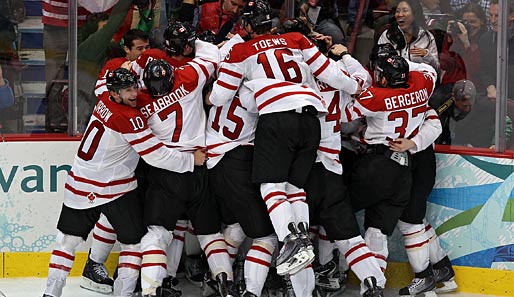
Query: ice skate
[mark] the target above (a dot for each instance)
(225, 287)
(373, 289)
(328, 279)
(420, 286)
(445, 280)
(304, 236)
(294, 254)
(195, 270)
(169, 286)
(96, 278)
(248, 294)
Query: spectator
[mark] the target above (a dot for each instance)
(221, 17)
(96, 37)
(409, 35)
(457, 105)
(6, 93)
(323, 14)
(55, 43)
(462, 47)
(488, 53)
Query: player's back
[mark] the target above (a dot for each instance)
(178, 118)
(278, 57)
(395, 112)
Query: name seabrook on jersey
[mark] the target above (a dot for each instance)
(164, 101)
(406, 100)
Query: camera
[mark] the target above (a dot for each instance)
(454, 27)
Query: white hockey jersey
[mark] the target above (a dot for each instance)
(289, 57)
(103, 169)
(330, 143)
(178, 118)
(229, 126)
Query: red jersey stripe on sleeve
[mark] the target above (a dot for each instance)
(231, 73)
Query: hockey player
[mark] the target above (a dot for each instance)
(279, 71)
(174, 108)
(329, 203)
(394, 111)
(104, 237)
(421, 243)
(230, 135)
(179, 48)
(102, 172)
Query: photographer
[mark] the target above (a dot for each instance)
(461, 46)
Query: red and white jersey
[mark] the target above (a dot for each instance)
(55, 13)
(394, 112)
(103, 169)
(111, 65)
(228, 127)
(289, 57)
(428, 133)
(273, 95)
(330, 142)
(138, 66)
(178, 118)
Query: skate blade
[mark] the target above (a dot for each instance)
(425, 294)
(302, 258)
(447, 286)
(88, 284)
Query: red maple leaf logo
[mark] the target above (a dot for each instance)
(91, 197)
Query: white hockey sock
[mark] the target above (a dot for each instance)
(360, 259)
(416, 245)
(61, 262)
(279, 209)
(436, 252)
(303, 282)
(325, 247)
(174, 249)
(104, 238)
(297, 199)
(377, 243)
(129, 265)
(215, 250)
(234, 236)
(257, 263)
(153, 267)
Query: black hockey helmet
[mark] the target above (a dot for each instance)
(158, 77)
(257, 13)
(381, 50)
(207, 36)
(177, 35)
(119, 79)
(394, 68)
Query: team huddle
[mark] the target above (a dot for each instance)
(266, 140)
